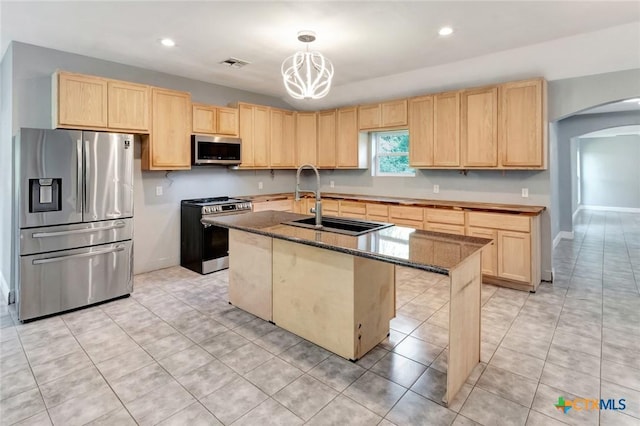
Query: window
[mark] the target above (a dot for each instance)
(391, 154)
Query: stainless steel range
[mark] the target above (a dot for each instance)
(205, 248)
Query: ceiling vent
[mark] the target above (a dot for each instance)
(234, 63)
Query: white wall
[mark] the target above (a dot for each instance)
(610, 176)
(6, 107)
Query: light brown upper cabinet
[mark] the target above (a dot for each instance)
(255, 134)
(283, 128)
(89, 102)
(434, 130)
(349, 146)
(168, 146)
(382, 115)
(421, 131)
(215, 120)
(79, 100)
(479, 127)
(522, 120)
(446, 129)
(306, 138)
(326, 139)
(128, 106)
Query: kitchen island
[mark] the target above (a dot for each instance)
(338, 291)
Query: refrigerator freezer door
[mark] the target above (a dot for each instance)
(49, 177)
(65, 237)
(63, 280)
(108, 170)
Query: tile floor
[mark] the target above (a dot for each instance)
(176, 353)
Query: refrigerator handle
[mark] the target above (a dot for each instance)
(79, 173)
(74, 256)
(87, 172)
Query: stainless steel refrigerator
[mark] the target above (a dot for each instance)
(73, 196)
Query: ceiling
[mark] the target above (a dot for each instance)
(364, 40)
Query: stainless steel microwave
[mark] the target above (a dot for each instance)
(206, 150)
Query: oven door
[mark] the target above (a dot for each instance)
(215, 245)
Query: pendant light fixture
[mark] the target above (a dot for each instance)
(307, 75)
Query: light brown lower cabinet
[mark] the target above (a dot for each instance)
(514, 256)
(490, 252)
(279, 205)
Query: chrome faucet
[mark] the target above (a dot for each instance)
(318, 208)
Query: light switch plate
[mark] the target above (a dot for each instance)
(525, 192)
(332, 184)
(436, 189)
(260, 185)
(159, 191)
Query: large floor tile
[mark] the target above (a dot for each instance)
(193, 415)
(159, 404)
(341, 410)
(508, 413)
(233, 400)
(305, 396)
(84, 408)
(412, 409)
(207, 379)
(508, 385)
(375, 393)
(305, 355)
(273, 375)
(337, 372)
(20, 407)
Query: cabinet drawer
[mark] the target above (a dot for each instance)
(416, 224)
(411, 213)
(352, 207)
(445, 227)
(508, 222)
(329, 207)
(453, 217)
(378, 210)
(280, 205)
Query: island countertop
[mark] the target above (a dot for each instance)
(429, 251)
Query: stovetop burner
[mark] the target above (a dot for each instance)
(218, 205)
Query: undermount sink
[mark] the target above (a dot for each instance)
(338, 225)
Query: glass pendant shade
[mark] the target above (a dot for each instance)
(307, 75)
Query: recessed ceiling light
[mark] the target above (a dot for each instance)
(632, 100)
(445, 31)
(167, 42)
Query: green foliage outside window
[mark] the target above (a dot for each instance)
(392, 154)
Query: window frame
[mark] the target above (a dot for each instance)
(375, 155)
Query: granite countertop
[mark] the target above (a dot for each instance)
(429, 251)
(417, 202)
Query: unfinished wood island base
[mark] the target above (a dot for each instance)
(338, 291)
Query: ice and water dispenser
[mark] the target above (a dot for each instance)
(45, 195)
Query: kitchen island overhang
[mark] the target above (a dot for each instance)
(338, 291)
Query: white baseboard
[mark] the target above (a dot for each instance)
(562, 235)
(610, 209)
(576, 213)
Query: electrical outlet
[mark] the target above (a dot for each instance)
(260, 185)
(436, 189)
(525, 192)
(159, 190)
(332, 184)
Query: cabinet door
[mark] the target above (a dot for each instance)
(204, 119)
(245, 113)
(514, 255)
(261, 135)
(326, 139)
(370, 116)
(521, 127)
(421, 131)
(446, 129)
(170, 130)
(306, 135)
(480, 127)
(394, 113)
(282, 138)
(128, 106)
(347, 138)
(82, 100)
(227, 121)
(490, 252)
